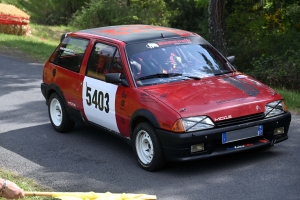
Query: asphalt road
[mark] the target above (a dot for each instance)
(89, 160)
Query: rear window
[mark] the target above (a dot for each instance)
(69, 53)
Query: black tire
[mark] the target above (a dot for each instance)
(147, 147)
(58, 115)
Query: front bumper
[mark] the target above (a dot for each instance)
(177, 146)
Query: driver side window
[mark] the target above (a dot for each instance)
(104, 59)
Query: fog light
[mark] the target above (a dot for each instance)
(197, 147)
(278, 131)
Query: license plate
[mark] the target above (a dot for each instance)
(242, 134)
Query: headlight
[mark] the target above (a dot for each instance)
(192, 124)
(274, 108)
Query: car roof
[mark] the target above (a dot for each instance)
(137, 32)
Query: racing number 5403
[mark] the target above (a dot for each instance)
(98, 98)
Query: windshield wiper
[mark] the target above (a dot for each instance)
(160, 75)
(194, 77)
(222, 72)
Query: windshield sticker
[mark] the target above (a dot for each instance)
(174, 42)
(196, 84)
(68, 51)
(241, 76)
(152, 45)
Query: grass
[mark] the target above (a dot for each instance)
(291, 98)
(25, 184)
(38, 45)
(49, 33)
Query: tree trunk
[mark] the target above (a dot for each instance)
(216, 22)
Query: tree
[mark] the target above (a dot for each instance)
(216, 22)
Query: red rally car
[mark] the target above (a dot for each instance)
(168, 92)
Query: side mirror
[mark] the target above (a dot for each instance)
(116, 78)
(231, 59)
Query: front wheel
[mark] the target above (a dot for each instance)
(148, 148)
(58, 115)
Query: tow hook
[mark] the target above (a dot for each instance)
(273, 142)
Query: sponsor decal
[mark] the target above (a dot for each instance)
(122, 120)
(230, 100)
(241, 76)
(223, 118)
(157, 94)
(71, 103)
(239, 146)
(146, 98)
(124, 95)
(123, 101)
(174, 42)
(96, 98)
(152, 45)
(68, 51)
(182, 110)
(196, 84)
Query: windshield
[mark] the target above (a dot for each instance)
(177, 63)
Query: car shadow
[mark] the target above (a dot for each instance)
(102, 161)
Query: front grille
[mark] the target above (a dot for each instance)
(240, 120)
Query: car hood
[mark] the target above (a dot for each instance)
(221, 97)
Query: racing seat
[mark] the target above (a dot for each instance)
(100, 65)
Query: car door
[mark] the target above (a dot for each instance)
(103, 102)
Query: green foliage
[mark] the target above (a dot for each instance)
(292, 15)
(189, 15)
(113, 12)
(262, 37)
(281, 67)
(49, 12)
(291, 99)
(61, 11)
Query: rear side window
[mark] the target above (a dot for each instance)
(69, 53)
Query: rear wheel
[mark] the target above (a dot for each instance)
(148, 148)
(58, 115)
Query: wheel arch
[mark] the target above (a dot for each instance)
(54, 88)
(142, 115)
